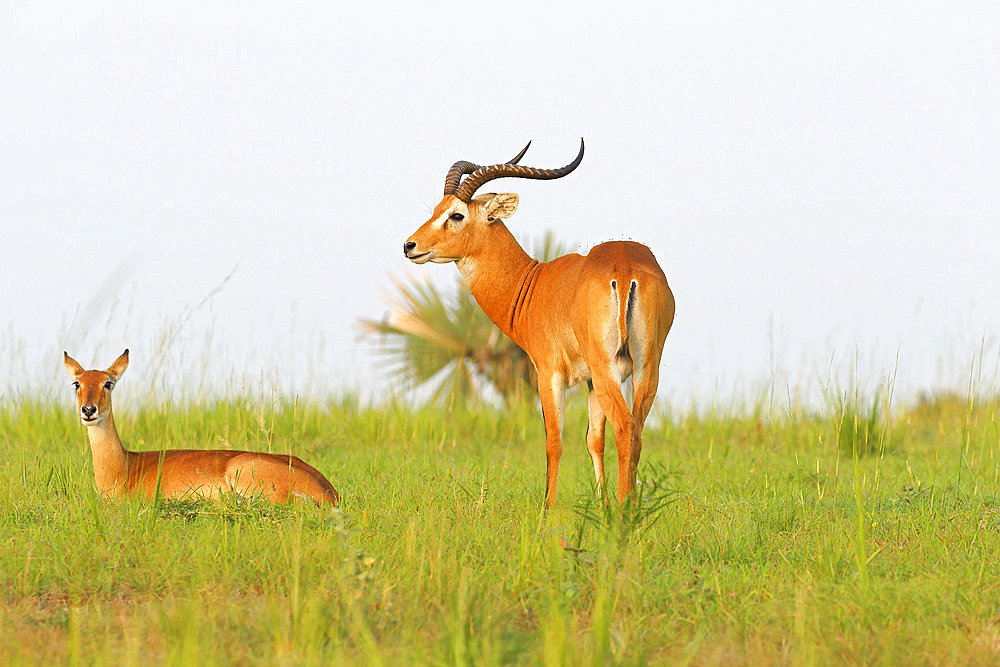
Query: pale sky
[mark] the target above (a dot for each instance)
(819, 181)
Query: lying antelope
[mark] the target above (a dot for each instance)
(182, 472)
(599, 318)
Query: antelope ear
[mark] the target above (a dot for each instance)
(116, 369)
(502, 206)
(73, 368)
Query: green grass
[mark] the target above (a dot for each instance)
(749, 545)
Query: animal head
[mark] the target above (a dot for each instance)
(461, 223)
(93, 388)
(458, 229)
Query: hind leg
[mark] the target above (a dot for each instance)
(596, 421)
(253, 475)
(647, 353)
(645, 393)
(609, 395)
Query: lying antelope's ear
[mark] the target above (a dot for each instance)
(73, 368)
(501, 207)
(116, 369)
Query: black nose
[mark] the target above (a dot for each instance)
(408, 246)
(88, 410)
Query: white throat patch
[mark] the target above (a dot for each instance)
(467, 267)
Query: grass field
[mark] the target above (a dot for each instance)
(772, 535)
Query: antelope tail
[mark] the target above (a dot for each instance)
(625, 304)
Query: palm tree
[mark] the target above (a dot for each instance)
(442, 341)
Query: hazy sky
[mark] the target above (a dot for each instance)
(819, 181)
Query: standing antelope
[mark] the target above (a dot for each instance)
(182, 472)
(601, 317)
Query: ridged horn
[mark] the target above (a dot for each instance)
(463, 167)
(482, 175)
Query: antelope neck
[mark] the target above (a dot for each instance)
(500, 279)
(108, 453)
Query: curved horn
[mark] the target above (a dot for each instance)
(483, 175)
(463, 167)
(455, 174)
(517, 158)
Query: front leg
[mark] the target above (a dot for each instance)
(552, 393)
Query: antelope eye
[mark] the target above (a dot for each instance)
(108, 385)
(76, 385)
(457, 217)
